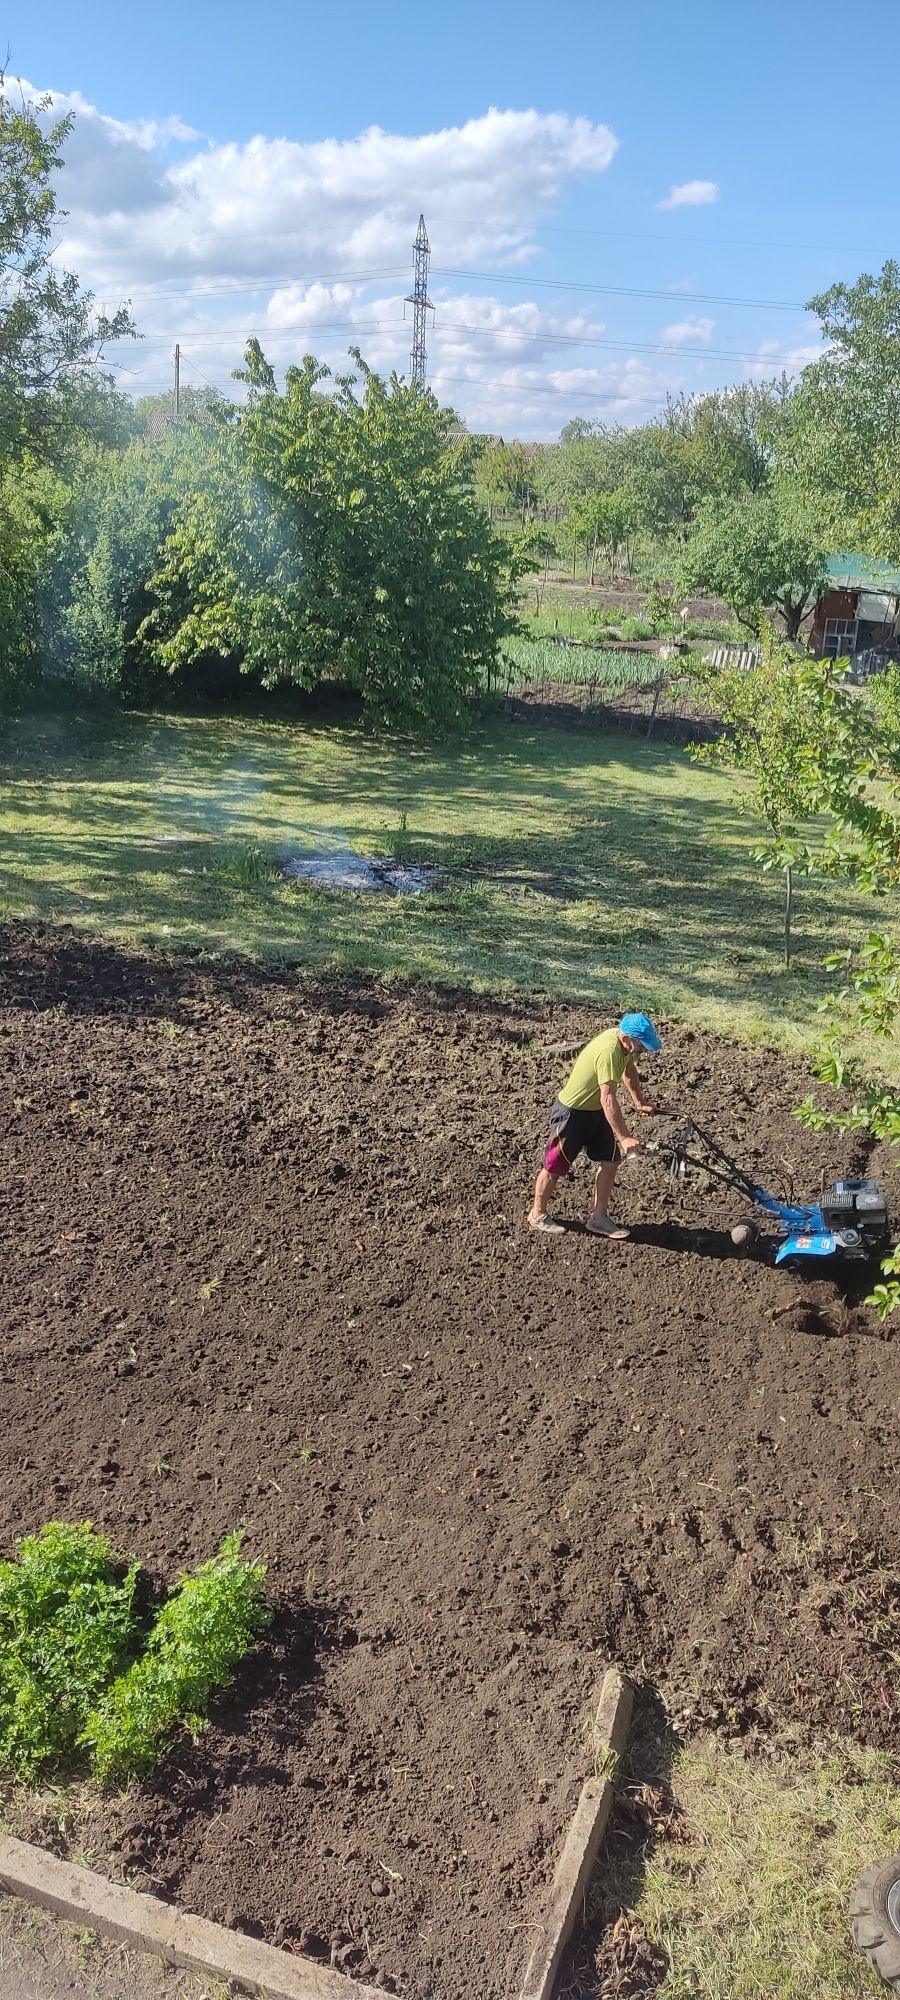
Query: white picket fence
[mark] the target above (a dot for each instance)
(741, 657)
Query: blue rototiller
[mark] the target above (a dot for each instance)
(850, 1218)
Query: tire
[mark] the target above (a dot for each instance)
(875, 1919)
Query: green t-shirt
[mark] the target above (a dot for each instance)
(603, 1061)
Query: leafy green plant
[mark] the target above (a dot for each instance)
(78, 1666)
(247, 863)
(397, 841)
(67, 1627)
(613, 671)
(200, 1635)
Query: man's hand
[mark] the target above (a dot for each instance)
(658, 1110)
(629, 1145)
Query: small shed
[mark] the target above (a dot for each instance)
(859, 610)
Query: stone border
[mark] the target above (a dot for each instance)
(586, 1829)
(92, 1902)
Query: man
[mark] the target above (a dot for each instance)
(587, 1116)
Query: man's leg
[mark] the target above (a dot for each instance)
(554, 1170)
(544, 1190)
(603, 1184)
(600, 1222)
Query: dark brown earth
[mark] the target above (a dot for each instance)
(265, 1263)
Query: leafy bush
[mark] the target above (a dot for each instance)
(67, 1626)
(77, 1666)
(201, 1633)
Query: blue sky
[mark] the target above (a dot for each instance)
(264, 168)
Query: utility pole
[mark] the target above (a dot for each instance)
(419, 300)
(177, 379)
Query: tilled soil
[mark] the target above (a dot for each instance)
(266, 1264)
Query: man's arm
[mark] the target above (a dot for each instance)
(635, 1087)
(612, 1112)
(635, 1090)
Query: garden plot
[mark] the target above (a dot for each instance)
(267, 1267)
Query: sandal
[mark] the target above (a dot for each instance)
(603, 1225)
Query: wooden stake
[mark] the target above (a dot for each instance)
(582, 1843)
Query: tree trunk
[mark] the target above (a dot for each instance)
(788, 909)
(593, 560)
(574, 554)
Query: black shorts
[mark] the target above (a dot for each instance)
(574, 1132)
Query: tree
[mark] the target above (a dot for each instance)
(504, 474)
(758, 555)
(773, 719)
(536, 549)
(331, 534)
(151, 414)
(601, 521)
(50, 335)
(838, 437)
(855, 783)
(729, 433)
(54, 403)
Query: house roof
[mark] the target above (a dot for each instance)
(847, 572)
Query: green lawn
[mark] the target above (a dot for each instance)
(747, 1890)
(590, 867)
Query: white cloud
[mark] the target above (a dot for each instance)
(310, 247)
(685, 331)
(272, 206)
(691, 194)
(777, 357)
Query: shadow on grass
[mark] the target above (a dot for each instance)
(589, 869)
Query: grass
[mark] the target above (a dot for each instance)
(747, 1892)
(593, 868)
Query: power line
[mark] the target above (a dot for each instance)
(672, 349)
(617, 291)
(251, 287)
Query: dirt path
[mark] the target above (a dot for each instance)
(266, 1264)
(41, 1959)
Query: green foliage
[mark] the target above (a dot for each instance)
(53, 402)
(838, 435)
(604, 522)
(661, 616)
(98, 590)
(857, 783)
(756, 554)
(535, 660)
(332, 535)
(32, 506)
(774, 717)
(200, 1635)
(72, 1671)
(505, 475)
(67, 1621)
(48, 331)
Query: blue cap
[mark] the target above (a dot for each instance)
(641, 1030)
